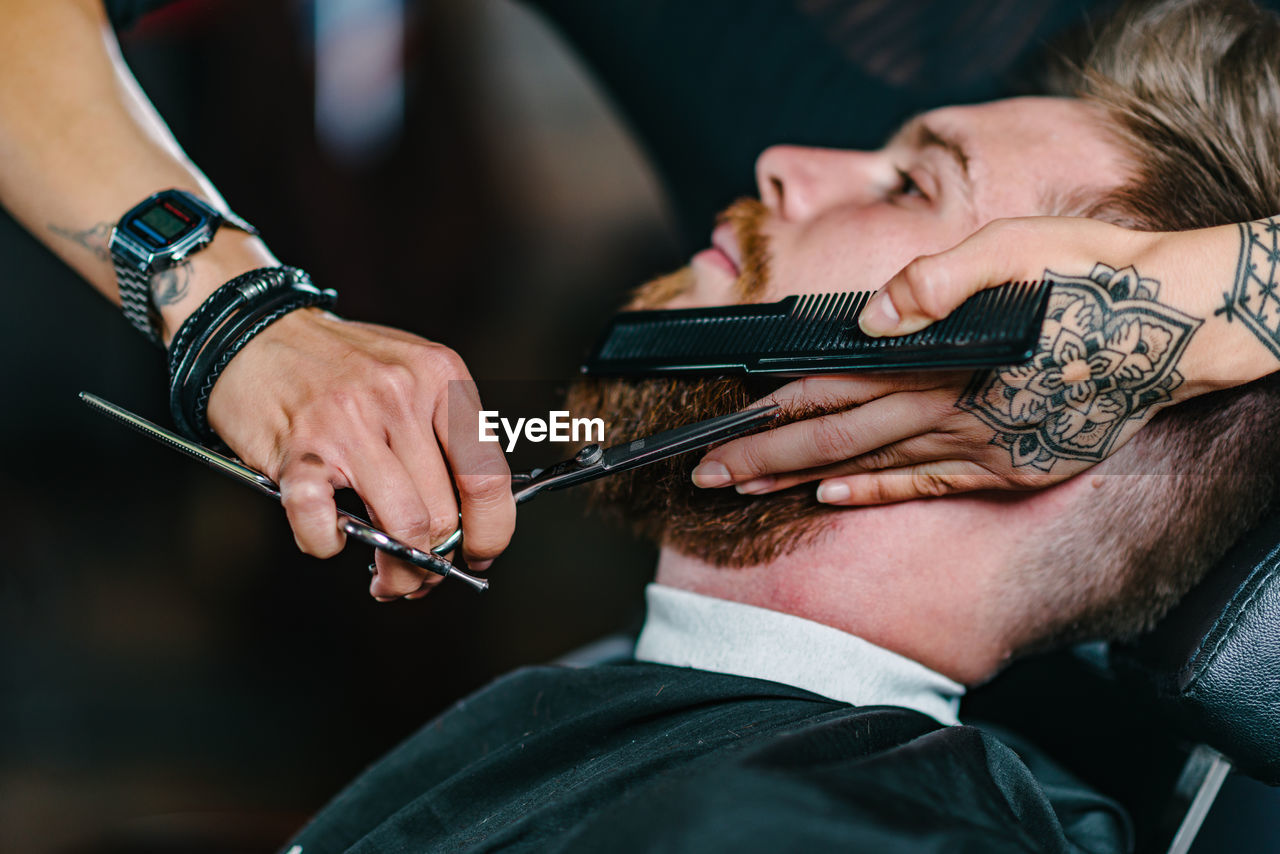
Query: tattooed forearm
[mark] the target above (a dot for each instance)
(170, 286)
(1253, 298)
(1108, 352)
(95, 239)
(167, 287)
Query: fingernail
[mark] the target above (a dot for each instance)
(711, 474)
(879, 317)
(384, 598)
(480, 565)
(752, 487)
(830, 493)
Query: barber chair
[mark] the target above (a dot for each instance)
(1159, 723)
(1212, 666)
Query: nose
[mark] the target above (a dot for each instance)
(798, 183)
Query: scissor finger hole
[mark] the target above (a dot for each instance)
(451, 542)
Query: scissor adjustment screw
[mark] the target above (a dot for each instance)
(589, 456)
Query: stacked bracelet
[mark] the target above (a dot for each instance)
(220, 327)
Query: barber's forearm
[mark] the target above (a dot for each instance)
(80, 144)
(1234, 276)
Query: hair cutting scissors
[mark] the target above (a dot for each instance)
(590, 463)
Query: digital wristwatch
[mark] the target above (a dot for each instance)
(159, 233)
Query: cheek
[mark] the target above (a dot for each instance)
(856, 251)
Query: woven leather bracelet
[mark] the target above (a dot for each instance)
(235, 314)
(219, 307)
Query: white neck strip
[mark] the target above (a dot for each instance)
(686, 629)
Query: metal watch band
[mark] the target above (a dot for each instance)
(135, 299)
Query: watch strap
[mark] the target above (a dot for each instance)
(135, 299)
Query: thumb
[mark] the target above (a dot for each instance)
(932, 286)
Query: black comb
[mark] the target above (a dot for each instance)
(818, 333)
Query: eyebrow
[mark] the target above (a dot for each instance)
(920, 136)
(929, 137)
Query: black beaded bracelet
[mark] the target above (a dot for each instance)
(220, 328)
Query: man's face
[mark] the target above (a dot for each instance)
(833, 220)
(838, 220)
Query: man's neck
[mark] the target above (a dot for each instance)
(935, 611)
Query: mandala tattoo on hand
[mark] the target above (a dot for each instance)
(1108, 352)
(1254, 298)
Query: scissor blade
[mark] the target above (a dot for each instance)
(214, 460)
(669, 443)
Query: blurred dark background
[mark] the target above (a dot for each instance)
(171, 669)
(166, 655)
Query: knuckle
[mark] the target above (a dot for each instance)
(816, 391)
(831, 440)
(445, 361)
(930, 484)
(342, 403)
(929, 287)
(486, 488)
(941, 407)
(881, 458)
(395, 381)
(305, 495)
(415, 529)
(747, 459)
(1010, 234)
(879, 490)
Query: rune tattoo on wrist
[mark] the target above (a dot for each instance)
(1108, 352)
(1254, 298)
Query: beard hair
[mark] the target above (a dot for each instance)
(659, 501)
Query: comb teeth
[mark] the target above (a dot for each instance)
(818, 333)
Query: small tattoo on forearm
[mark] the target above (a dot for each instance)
(170, 286)
(167, 287)
(1108, 352)
(1253, 298)
(96, 239)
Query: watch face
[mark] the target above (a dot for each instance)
(163, 221)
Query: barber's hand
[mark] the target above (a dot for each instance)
(1102, 370)
(318, 403)
(1004, 250)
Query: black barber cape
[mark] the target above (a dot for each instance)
(642, 757)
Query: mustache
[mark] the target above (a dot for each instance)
(746, 217)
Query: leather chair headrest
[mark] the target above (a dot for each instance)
(1214, 661)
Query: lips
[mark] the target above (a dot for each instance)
(726, 241)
